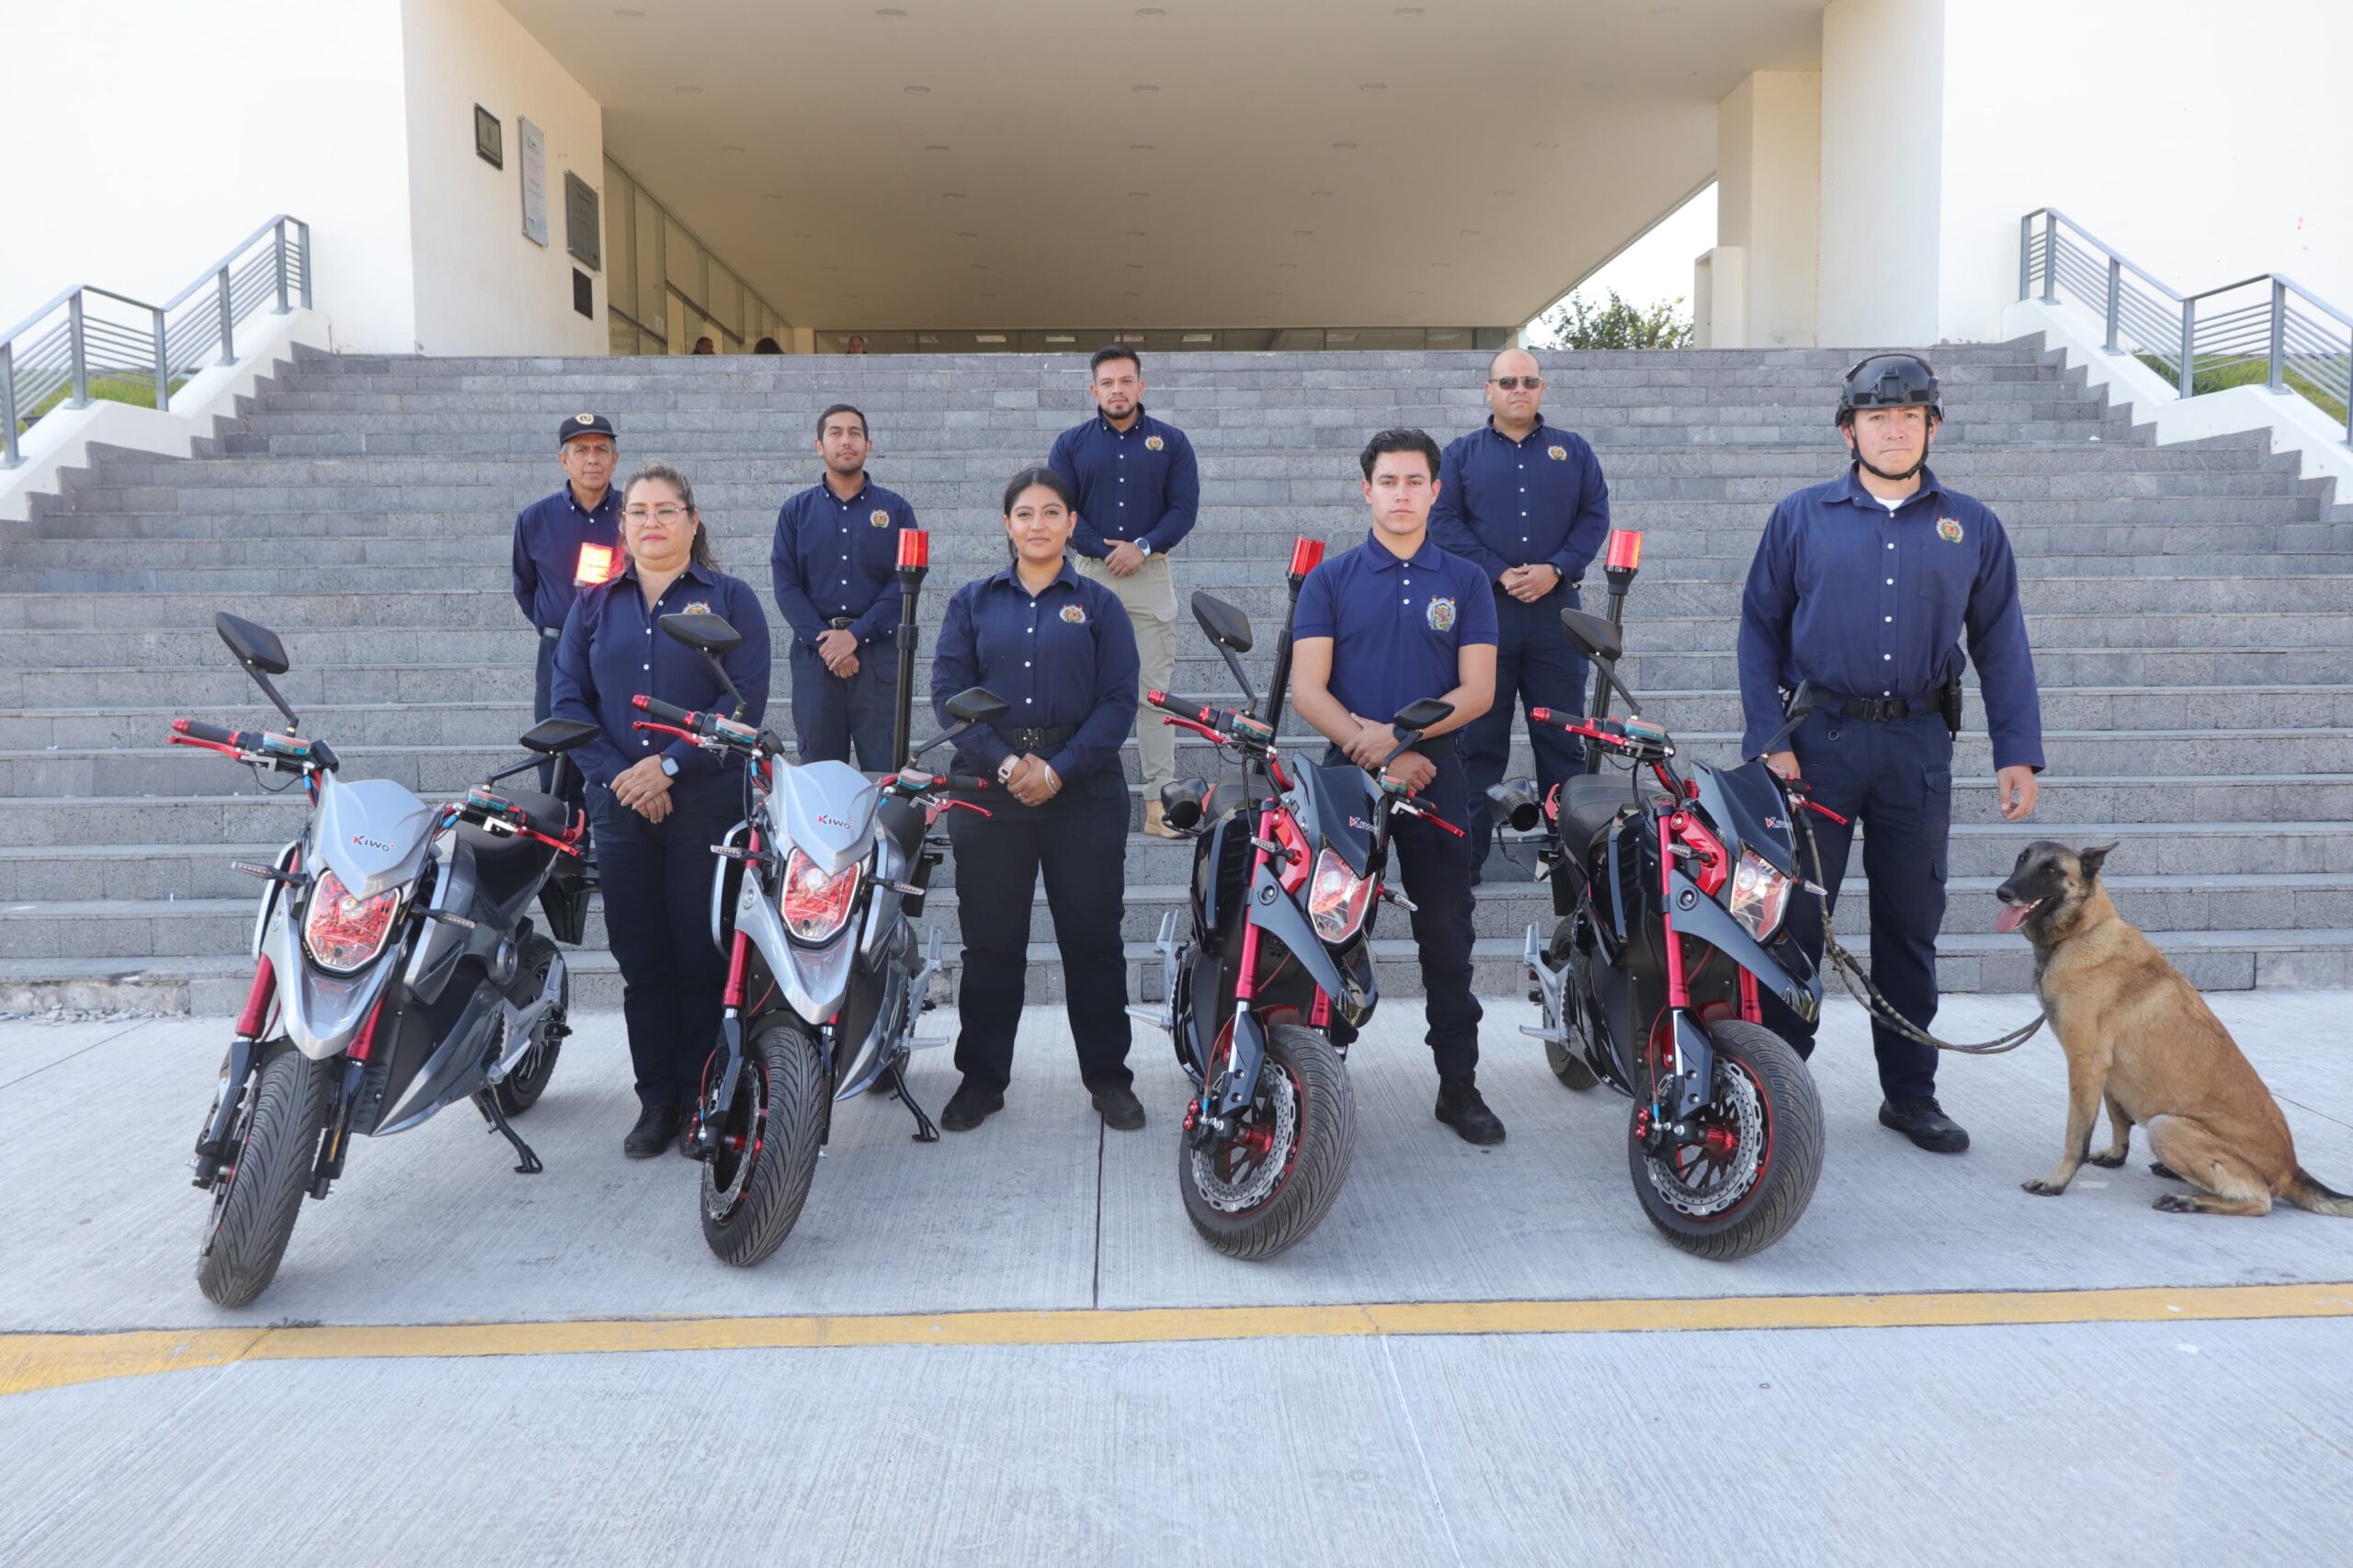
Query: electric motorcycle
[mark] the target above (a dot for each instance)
(1671, 886)
(1276, 977)
(815, 905)
(396, 972)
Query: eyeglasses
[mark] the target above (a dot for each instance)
(664, 513)
(1512, 384)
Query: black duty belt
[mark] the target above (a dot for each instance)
(1037, 740)
(1877, 709)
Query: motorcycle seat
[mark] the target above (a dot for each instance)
(1590, 802)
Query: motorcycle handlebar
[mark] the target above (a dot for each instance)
(966, 781)
(218, 734)
(667, 712)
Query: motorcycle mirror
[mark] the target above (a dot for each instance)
(1415, 717)
(1594, 636)
(1514, 804)
(256, 647)
(978, 705)
(1226, 626)
(703, 632)
(1800, 706)
(551, 736)
(1180, 802)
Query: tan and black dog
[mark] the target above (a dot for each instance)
(2139, 1036)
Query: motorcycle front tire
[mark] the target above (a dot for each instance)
(259, 1195)
(1316, 1166)
(1775, 1198)
(772, 1124)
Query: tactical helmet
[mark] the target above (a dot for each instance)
(1889, 380)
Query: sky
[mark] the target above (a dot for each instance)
(1658, 266)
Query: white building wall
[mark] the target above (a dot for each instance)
(482, 286)
(146, 136)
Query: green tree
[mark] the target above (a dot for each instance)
(1577, 323)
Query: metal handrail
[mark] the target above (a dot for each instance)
(2303, 349)
(35, 362)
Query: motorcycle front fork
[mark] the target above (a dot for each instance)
(236, 1073)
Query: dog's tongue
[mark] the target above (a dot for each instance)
(2008, 918)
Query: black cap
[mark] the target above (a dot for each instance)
(586, 424)
(1891, 381)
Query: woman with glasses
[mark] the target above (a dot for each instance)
(657, 804)
(1060, 650)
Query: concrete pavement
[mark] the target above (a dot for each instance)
(2004, 1442)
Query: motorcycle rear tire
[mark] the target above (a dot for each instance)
(752, 1196)
(263, 1179)
(1564, 1057)
(1778, 1194)
(520, 1089)
(1323, 1142)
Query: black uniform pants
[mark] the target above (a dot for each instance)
(1434, 867)
(831, 716)
(557, 777)
(1079, 840)
(1895, 780)
(1535, 667)
(657, 880)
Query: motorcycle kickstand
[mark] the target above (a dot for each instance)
(486, 1102)
(925, 1131)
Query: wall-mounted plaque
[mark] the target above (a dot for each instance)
(489, 138)
(535, 181)
(583, 294)
(583, 232)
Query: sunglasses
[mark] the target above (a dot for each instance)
(1512, 384)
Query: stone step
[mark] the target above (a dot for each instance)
(1981, 847)
(461, 717)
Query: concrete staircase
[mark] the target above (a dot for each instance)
(2187, 603)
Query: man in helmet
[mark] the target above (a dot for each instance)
(1861, 590)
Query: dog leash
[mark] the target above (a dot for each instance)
(1857, 980)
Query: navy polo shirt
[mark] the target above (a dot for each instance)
(613, 648)
(1503, 503)
(1061, 657)
(1396, 624)
(1867, 603)
(547, 537)
(834, 559)
(1138, 484)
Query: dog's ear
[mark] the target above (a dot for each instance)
(2093, 860)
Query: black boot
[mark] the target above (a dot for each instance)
(970, 1105)
(1460, 1107)
(657, 1127)
(1122, 1110)
(1926, 1124)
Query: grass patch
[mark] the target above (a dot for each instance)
(138, 392)
(2248, 374)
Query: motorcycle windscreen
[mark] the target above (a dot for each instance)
(1340, 801)
(1747, 807)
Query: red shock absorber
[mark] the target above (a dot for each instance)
(257, 999)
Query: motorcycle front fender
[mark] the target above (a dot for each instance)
(1697, 915)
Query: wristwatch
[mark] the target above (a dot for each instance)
(1005, 769)
(669, 768)
(1143, 547)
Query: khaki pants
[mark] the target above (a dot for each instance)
(1149, 595)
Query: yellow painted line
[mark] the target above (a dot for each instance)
(30, 1361)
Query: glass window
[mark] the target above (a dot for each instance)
(652, 298)
(620, 229)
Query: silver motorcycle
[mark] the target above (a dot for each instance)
(815, 905)
(396, 972)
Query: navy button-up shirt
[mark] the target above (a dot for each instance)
(613, 648)
(1065, 656)
(1503, 503)
(1139, 484)
(835, 559)
(547, 536)
(1866, 602)
(1396, 624)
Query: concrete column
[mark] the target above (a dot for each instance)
(1762, 278)
(1883, 165)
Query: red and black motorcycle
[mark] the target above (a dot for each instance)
(1672, 886)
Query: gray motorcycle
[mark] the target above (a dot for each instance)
(815, 905)
(396, 972)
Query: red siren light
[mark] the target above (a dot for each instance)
(915, 550)
(1625, 550)
(1306, 554)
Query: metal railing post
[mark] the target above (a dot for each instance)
(78, 352)
(2115, 298)
(8, 405)
(162, 364)
(2050, 260)
(228, 323)
(305, 228)
(2276, 378)
(2026, 257)
(281, 267)
(2187, 378)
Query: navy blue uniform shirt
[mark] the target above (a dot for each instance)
(1138, 484)
(1867, 603)
(547, 536)
(1065, 656)
(1503, 503)
(1395, 625)
(834, 559)
(613, 648)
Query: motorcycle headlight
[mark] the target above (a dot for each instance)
(816, 904)
(1337, 898)
(1760, 893)
(343, 932)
